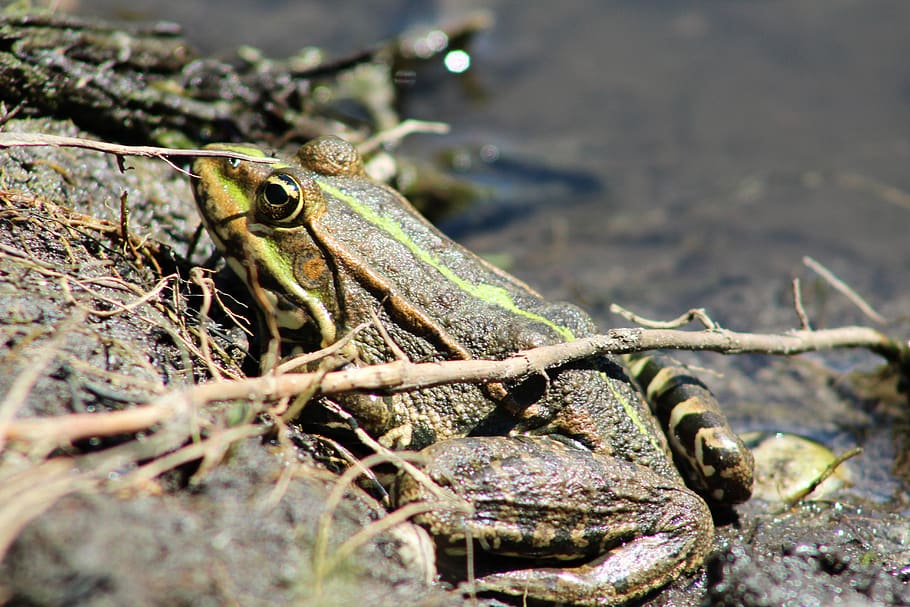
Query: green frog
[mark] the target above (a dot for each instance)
(569, 469)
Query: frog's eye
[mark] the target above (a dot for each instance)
(280, 199)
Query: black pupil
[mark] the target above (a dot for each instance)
(276, 194)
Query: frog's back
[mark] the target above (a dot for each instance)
(488, 310)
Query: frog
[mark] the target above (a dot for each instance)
(579, 472)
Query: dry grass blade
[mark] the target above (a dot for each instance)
(323, 564)
(39, 361)
(34, 492)
(210, 450)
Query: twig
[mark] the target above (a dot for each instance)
(825, 474)
(43, 485)
(888, 193)
(124, 217)
(213, 447)
(125, 226)
(240, 322)
(368, 532)
(388, 454)
(112, 377)
(845, 289)
(102, 281)
(306, 395)
(119, 307)
(271, 356)
(9, 114)
(207, 285)
(302, 360)
(389, 342)
(324, 526)
(401, 376)
(400, 131)
(8, 140)
(798, 305)
(698, 314)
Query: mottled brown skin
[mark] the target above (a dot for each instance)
(604, 502)
(621, 526)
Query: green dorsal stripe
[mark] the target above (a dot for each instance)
(490, 294)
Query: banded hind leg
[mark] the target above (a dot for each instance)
(714, 460)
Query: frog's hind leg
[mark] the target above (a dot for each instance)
(533, 497)
(629, 571)
(714, 459)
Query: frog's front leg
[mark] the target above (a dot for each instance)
(617, 529)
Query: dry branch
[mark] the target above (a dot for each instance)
(40, 139)
(844, 288)
(403, 376)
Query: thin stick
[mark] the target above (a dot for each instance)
(845, 289)
(402, 130)
(201, 279)
(825, 475)
(798, 305)
(389, 454)
(8, 140)
(389, 342)
(302, 360)
(365, 534)
(698, 314)
(48, 482)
